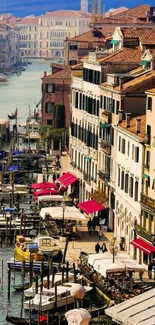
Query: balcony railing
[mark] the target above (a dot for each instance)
(148, 202)
(73, 164)
(104, 176)
(106, 146)
(146, 234)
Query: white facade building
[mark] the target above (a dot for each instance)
(85, 127)
(130, 138)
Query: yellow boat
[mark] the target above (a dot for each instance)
(23, 252)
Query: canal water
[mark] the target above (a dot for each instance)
(23, 91)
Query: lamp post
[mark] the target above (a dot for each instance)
(113, 249)
(63, 205)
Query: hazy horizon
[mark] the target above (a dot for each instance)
(37, 7)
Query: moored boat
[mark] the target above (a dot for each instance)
(25, 321)
(26, 250)
(20, 286)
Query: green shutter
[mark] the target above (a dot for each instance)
(87, 158)
(144, 63)
(146, 176)
(104, 126)
(114, 42)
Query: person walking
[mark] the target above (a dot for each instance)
(97, 248)
(99, 234)
(104, 248)
(94, 224)
(89, 226)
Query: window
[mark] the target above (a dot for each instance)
(128, 148)
(126, 183)
(73, 47)
(50, 88)
(49, 122)
(123, 146)
(136, 191)
(76, 100)
(119, 144)
(49, 107)
(133, 151)
(149, 103)
(122, 180)
(131, 186)
(136, 154)
(117, 106)
(148, 134)
(119, 176)
(147, 159)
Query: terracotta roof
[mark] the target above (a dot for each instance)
(139, 84)
(65, 13)
(115, 11)
(59, 76)
(128, 55)
(151, 91)
(29, 21)
(57, 65)
(132, 127)
(146, 36)
(133, 15)
(89, 36)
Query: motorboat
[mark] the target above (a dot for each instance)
(26, 249)
(30, 292)
(46, 300)
(46, 245)
(17, 265)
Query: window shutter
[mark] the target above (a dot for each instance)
(119, 145)
(136, 154)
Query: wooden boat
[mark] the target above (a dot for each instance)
(25, 250)
(20, 286)
(25, 321)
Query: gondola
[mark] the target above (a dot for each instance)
(20, 286)
(25, 321)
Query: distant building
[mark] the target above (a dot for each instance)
(56, 26)
(29, 31)
(56, 91)
(9, 45)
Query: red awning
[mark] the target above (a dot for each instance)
(46, 192)
(90, 206)
(67, 179)
(143, 246)
(43, 185)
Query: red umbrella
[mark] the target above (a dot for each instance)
(44, 185)
(46, 192)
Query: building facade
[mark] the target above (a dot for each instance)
(130, 139)
(56, 91)
(55, 27)
(29, 31)
(9, 45)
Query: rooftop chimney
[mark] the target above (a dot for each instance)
(120, 116)
(138, 120)
(128, 118)
(45, 73)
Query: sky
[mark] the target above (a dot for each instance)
(27, 7)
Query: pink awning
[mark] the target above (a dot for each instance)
(46, 192)
(67, 179)
(90, 206)
(143, 246)
(43, 185)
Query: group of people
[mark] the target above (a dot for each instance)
(102, 248)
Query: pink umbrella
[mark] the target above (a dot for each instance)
(46, 192)
(44, 185)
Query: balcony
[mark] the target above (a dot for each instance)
(106, 147)
(86, 178)
(148, 202)
(73, 164)
(104, 176)
(142, 232)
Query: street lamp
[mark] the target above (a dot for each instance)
(113, 249)
(63, 205)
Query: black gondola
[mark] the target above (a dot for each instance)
(25, 321)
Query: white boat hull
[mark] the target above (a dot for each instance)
(49, 305)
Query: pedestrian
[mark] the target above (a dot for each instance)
(104, 248)
(54, 178)
(94, 223)
(89, 226)
(99, 234)
(150, 271)
(97, 248)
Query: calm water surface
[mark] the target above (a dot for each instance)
(22, 91)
